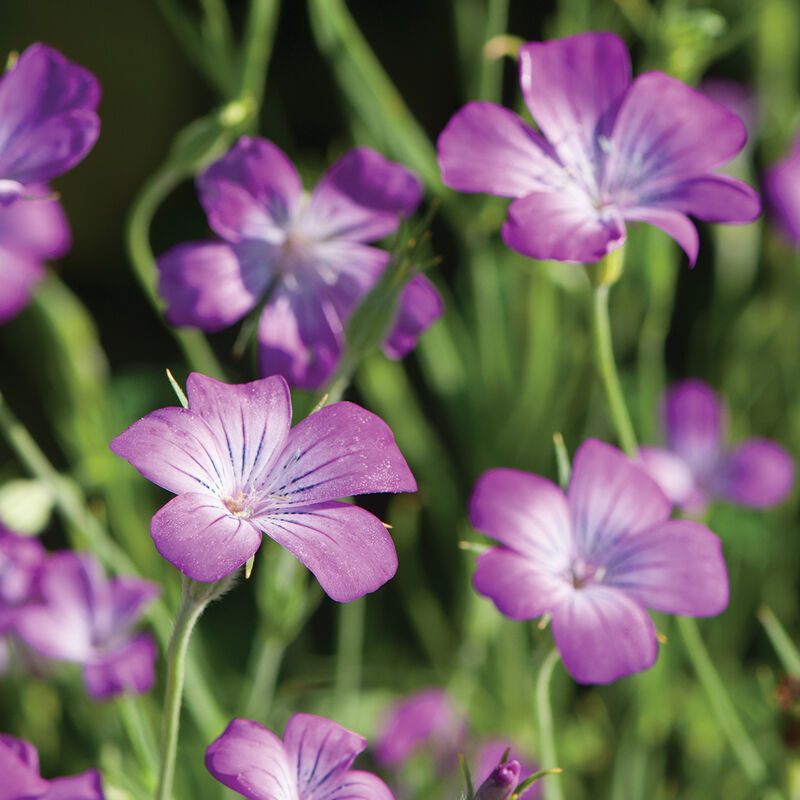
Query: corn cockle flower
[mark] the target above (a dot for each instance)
(19, 767)
(698, 464)
(782, 193)
(47, 125)
(239, 471)
(87, 619)
(610, 150)
(304, 257)
(311, 763)
(594, 559)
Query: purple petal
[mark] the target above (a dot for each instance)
(251, 192)
(573, 87)
(758, 473)
(200, 536)
(21, 779)
(21, 559)
(338, 451)
(301, 337)
(526, 513)
(673, 223)
(602, 634)
(47, 116)
(206, 285)
(420, 306)
(35, 224)
(517, 585)
(677, 567)
(609, 496)
(176, 449)
(665, 133)
(355, 785)
(128, 599)
(129, 668)
(361, 198)
(500, 783)
(694, 425)
(670, 472)
(738, 98)
(348, 549)
(562, 225)
(23, 750)
(19, 275)
(487, 148)
(86, 786)
(320, 751)
(782, 191)
(250, 421)
(490, 754)
(252, 761)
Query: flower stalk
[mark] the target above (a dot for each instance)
(547, 745)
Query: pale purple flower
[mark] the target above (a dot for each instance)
(19, 768)
(610, 150)
(313, 762)
(500, 783)
(47, 125)
(21, 559)
(303, 257)
(239, 471)
(489, 756)
(594, 559)
(425, 719)
(87, 619)
(699, 465)
(782, 192)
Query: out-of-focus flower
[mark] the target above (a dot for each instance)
(311, 763)
(500, 783)
(19, 767)
(611, 150)
(239, 470)
(698, 464)
(21, 559)
(87, 619)
(595, 558)
(303, 257)
(489, 756)
(47, 125)
(782, 193)
(426, 719)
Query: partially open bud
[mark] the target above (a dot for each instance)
(501, 782)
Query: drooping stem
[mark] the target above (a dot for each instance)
(547, 745)
(743, 748)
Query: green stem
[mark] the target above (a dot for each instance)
(743, 748)
(140, 734)
(349, 646)
(265, 676)
(547, 745)
(256, 49)
(607, 368)
(784, 646)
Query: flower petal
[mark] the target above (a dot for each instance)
(758, 473)
(573, 87)
(338, 451)
(129, 668)
(20, 779)
(35, 224)
(526, 513)
(175, 448)
(348, 549)
(673, 223)
(670, 472)
(610, 496)
(47, 115)
(782, 191)
(517, 585)
(250, 421)
(252, 761)
(487, 148)
(602, 634)
(207, 285)
(129, 597)
(562, 225)
(251, 192)
(321, 752)
(677, 567)
(419, 307)
(86, 786)
(360, 198)
(300, 336)
(19, 275)
(197, 534)
(666, 132)
(355, 785)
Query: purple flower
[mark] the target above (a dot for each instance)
(239, 471)
(21, 560)
(303, 257)
(311, 763)
(85, 618)
(427, 719)
(594, 558)
(782, 192)
(489, 755)
(500, 783)
(19, 767)
(610, 150)
(698, 465)
(47, 125)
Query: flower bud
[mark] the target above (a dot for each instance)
(501, 782)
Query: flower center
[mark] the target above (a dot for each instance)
(582, 573)
(239, 506)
